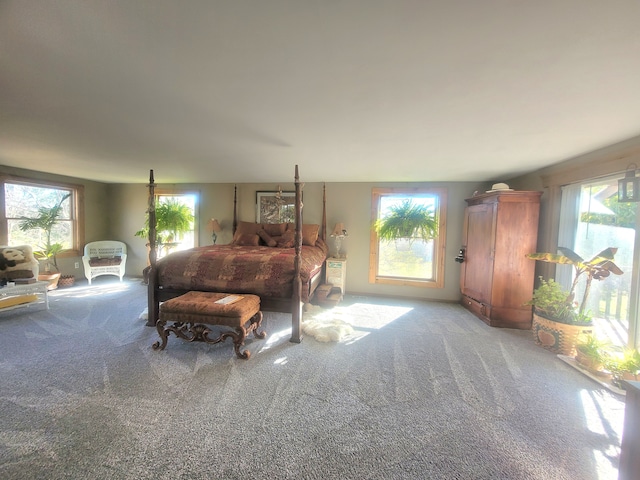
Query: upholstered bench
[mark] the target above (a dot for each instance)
(192, 312)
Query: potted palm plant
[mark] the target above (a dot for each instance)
(558, 320)
(48, 251)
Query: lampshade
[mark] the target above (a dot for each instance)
(214, 226)
(339, 230)
(629, 186)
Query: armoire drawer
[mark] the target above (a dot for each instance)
(479, 309)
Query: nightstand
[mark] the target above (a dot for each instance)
(337, 273)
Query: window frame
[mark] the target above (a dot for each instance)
(439, 243)
(76, 203)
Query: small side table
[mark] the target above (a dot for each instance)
(337, 273)
(25, 289)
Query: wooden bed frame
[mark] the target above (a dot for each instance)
(293, 306)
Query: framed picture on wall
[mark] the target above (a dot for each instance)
(275, 207)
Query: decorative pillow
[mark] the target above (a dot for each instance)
(310, 234)
(275, 229)
(244, 228)
(248, 227)
(287, 239)
(267, 239)
(13, 255)
(247, 240)
(13, 274)
(17, 262)
(322, 245)
(105, 262)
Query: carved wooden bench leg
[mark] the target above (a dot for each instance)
(163, 336)
(238, 336)
(256, 321)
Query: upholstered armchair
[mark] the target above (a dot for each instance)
(105, 257)
(18, 262)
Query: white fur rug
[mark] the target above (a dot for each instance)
(322, 325)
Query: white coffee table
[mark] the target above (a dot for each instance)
(27, 289)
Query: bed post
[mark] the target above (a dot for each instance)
(235, 209)
(323, 231)
(152, 293)
(296, 300)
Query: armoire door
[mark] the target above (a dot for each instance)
(477, 273)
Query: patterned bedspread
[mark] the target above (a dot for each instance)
(261, 270)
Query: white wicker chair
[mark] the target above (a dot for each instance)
(106, 257)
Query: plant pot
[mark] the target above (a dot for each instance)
(66, 281)
(617, 379)
(557, 337)
(630, 376)
(592, 364)
(52, 278)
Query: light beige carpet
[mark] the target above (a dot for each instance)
(419, 390)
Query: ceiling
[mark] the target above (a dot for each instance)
(350, 90)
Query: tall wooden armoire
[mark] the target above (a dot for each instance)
(497, 278)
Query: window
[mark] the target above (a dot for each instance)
(177, 212)
(408, 261)
(592, 219)
(24, 197)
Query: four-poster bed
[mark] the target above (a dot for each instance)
(281, 263)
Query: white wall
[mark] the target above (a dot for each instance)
(117, 211)
(349, 203)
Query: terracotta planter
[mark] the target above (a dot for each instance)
(557, 337)
(630, 376)
(617, 379)
(52, 278)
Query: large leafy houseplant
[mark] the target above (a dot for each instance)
(599, 267)
(45, 221)
(407, 220)
(553, 302)
(559, 320)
